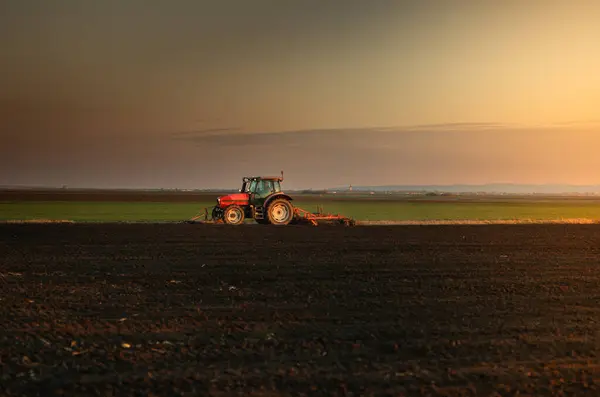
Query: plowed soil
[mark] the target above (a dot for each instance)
(177, 309)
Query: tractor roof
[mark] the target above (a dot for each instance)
(267, 178)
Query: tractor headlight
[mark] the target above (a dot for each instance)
(219, 200)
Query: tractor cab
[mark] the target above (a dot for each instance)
(259, 188)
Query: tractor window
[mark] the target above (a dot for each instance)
(276, 186)
(252, 187)
(268, 187)
(263, 189)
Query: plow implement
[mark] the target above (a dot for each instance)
(203, 217)
(313, 218)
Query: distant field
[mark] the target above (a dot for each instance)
(148, 207)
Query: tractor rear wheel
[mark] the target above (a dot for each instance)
(280, 212)
(233, 215)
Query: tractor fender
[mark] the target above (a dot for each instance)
(276, 196)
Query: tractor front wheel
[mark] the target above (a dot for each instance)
(280, 212)
(233, 215)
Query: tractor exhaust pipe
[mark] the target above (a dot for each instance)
(281, 175)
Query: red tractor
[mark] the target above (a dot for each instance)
(260, 198)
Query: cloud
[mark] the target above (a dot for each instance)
(420, 154)
(426, 134)
(459, 126)
(203, 132)
(218, 157)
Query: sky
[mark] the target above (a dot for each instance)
(197, 93)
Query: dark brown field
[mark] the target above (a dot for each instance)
(266, 311)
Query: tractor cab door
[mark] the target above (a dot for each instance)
(260, 190)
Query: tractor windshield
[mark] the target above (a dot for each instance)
(264, 188)
(252, 187)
